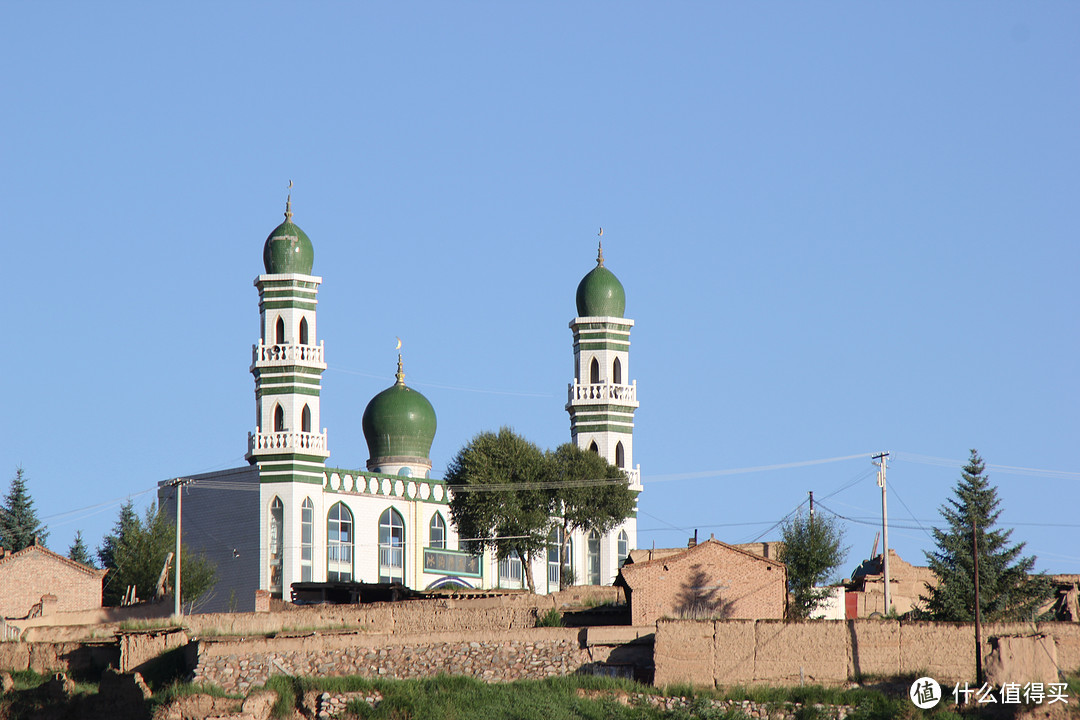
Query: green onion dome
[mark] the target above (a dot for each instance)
(288, 249)
(600, 294)
(399, 422)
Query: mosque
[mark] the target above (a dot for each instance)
(289, 516)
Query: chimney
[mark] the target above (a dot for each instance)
(693, 540)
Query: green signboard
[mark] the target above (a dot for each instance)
(451, 562)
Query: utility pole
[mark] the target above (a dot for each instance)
(178, 484)
(883, 458)
(978, 613)
(811, 506)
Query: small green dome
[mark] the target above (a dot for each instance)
(288, 249)
(399, 422)
(600, 294)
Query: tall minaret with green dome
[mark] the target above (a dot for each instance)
(288, 362)
(601, 401)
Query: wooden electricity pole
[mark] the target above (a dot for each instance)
(178, 484)
(978, 610)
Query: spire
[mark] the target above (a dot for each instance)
(400, 371)
(600, 249)
(288, 205)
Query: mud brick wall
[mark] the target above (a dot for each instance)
(727, 652)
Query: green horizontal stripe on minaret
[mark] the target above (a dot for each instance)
(306, 380)
(286, 369)
(286, 390)
(599, 345)
(287, 305)
(291, 292)
(625, 430)
(290, 478)
(623, 337)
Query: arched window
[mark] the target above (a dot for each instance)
(303, 332)
(593, 448)
(404, 472)
(624, 547)
(594, 372)
(620, 455)
(307, 539)
(305, 420)
(339, 544)
(279, 332)
(593, 560)
(277, 544)
(510, 571)
(437, 532)
(555, 562)
(279, 419)
(391, 547)
(616, 372)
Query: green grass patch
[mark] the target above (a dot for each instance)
(552, 618)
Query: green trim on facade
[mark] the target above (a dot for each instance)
(601, 326)
(607, 427)
(299, 284)
(286, 370)
(289, 477)
(311, 294)
(286, 390)
(286, 305)
(290, 463)
(601, 346)
(581, 408)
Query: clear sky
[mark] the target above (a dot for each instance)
(842, 228)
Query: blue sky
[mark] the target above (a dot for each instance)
(842, 228)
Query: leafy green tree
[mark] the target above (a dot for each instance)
(19, 525)
(79, 552)
(138, 551)
(812, 552)
(499, 497)
(126, 523)
(592, 494)
(1007, 589)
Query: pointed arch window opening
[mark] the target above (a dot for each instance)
(560, 559)
(279, 331)
(276, 537)
(437, 532)
(305, 420)
(339, 544)
(279, 418)
(593, 447)
(616, 372)
(594, 372)
(593, 560)
(307, 539)
(303, 331)
(620, 455)
(391, 547)
(624, 547)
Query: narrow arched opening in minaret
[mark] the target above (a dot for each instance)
(279, 332)
(279, 419)
(594, 448)
(594, 372)
(616, 372)
(305, 421)
(620, 455)
(303, 332)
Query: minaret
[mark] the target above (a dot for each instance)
(601, 401)
(288, 362)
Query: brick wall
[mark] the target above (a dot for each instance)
(29, 574)
(709, 580)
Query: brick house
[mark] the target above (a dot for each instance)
(865, 593)
(37, 580)
(707, 580)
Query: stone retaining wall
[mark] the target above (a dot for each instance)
(239, 664)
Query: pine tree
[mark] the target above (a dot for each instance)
(126, 524)
(79, 552)
(1007, 589)
(19, 525)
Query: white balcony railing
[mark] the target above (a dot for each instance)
(601, 393)
(634, 476)
(264, 355)
(260, 443)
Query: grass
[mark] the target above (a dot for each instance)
(552, 618)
